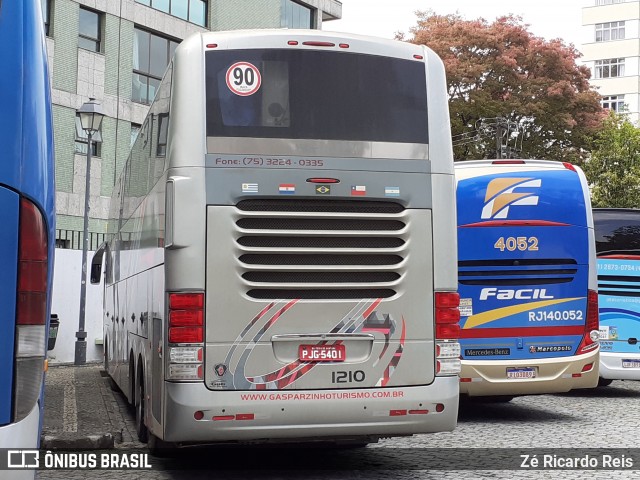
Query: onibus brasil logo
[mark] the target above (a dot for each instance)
(501, 195)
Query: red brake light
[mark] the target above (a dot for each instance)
(568, 166)
(212, 45)
(592, 311)
(447, 315)
(343, 45)
(592, 324)
(447, 299)
(447, 331)
(319, 44)
(508, 162)
(418, 57)
(186, 317)
(185, 334)
(184, 301)
(32, 268)
(292, 42)
(181, 318)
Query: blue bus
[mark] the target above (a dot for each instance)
(27, 216)
(527, 278)
(618, 250)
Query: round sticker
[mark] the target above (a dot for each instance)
(243, 79)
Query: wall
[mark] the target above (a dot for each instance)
(66, 303)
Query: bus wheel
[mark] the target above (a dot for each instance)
(141, 403)
(159, 448)
(604, 382)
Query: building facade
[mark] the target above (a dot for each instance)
(116, 51)
(611, 49)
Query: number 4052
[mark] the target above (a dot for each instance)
(517, 243)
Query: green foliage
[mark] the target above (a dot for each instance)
(614, 167)
(500, 69)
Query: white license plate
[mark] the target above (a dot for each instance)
(519, 373)
(322, 353)
(630, 363)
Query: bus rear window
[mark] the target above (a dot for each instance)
(617, 231)
(315, 95)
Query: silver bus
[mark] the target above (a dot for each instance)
(282, 254)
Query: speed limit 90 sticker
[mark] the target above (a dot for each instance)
(243, 79)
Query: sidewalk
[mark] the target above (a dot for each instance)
(82, 411)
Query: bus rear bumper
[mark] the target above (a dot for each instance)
(255, 416)
(553, 375)
(611, 366)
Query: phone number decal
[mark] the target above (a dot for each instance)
(268, 162)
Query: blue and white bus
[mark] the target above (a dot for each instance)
(527, 278)
(27, 213)
(618, 249)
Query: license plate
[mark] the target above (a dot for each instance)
(322, 353)
(630, 363)
(520, 373)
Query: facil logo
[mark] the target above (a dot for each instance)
(520, 294)
(500, 196)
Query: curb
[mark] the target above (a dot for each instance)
(103, 441)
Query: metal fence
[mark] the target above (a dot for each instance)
(72, 239)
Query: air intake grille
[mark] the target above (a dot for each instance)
(321, 249)
(619, 285)
(516, 272)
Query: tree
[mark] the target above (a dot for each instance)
(526, 84)
(613, 170)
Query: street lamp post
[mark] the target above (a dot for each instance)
(91, 116)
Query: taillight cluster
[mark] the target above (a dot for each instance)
(447, 319)
(31, 309)
(186, 336)
(590, 340)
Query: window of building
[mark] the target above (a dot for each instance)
(613, 102)
(611, 67)
(163, 128)
(82, 140)
(135, 128)
(609, 2)
(609, 31)
(151, 55)
(46, 15)
(89, 30)
(296, 15)
(194, 11)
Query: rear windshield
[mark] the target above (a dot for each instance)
(315, 95)
(617, 231)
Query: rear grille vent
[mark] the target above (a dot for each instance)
(318, 224)
(320, 242)
(321, 277)
(619, 285)
(328, 206)
(516, 272)
(320, 259)
(322, 294)
(321, 249)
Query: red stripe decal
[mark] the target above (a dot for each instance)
(370, 310)
(621, 257)
(521, 332)
(516, 223)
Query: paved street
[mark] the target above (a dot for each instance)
(604, 417)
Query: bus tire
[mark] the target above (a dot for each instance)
(604, 382)
(141, 405)
(159, 448)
